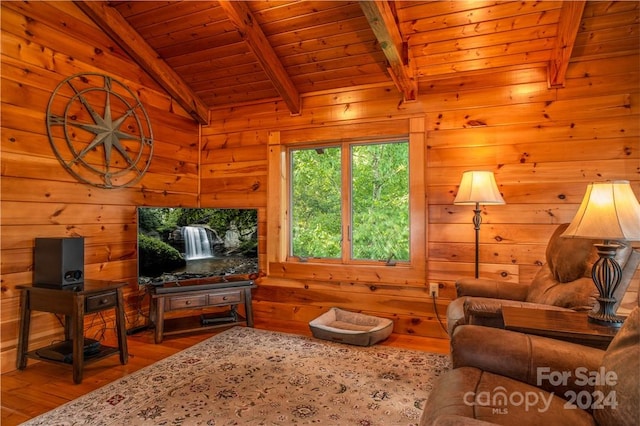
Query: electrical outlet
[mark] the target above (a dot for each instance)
(433, 289)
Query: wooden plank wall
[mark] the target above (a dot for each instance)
(42, 44)
(544, 145)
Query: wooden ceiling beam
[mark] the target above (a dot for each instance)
(241, 17)
(116, 27)
(568, 25)
(384, 26)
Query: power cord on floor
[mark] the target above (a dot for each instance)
(139, 313)
(435, 309)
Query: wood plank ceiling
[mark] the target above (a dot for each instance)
(213, 54)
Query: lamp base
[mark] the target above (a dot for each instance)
(605, 314)
(606, 274)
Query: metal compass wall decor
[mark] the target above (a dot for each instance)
(99, 130)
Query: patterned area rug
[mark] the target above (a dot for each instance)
(246, 376)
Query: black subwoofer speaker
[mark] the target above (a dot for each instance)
(58, 261)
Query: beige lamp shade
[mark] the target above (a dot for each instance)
(478, 186)
(609, 211)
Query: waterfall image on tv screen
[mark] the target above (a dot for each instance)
(177, 243)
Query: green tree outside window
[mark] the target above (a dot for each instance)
(376, 201)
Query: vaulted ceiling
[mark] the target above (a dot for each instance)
(212, 54)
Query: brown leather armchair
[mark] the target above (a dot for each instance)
(509, 378)
(564, 282)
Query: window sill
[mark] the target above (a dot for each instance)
(321, 271)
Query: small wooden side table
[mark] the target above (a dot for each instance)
(570, 326)
(74, 302)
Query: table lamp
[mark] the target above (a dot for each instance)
(478, 187)
(609, 212)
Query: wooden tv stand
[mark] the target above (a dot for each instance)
(199, 294)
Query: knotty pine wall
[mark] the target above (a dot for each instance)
(544, 145)
(42, 44)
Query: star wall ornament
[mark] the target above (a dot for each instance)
(99, 130)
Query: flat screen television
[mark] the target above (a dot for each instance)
(208, 244)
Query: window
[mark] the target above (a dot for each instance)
(349, 202)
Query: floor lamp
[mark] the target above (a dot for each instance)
(609, 212)
(478, 187)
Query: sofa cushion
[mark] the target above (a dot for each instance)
(565, 280)
(622, 359)
(579, 295)
(569, 258)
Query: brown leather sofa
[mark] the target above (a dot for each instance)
(509, 378)
(563, 282)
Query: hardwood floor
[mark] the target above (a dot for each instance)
(43, 386)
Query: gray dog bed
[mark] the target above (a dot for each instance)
(353, 328)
